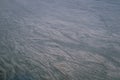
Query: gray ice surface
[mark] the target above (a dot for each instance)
(59, 39)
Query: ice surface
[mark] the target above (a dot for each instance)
(59, 39)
